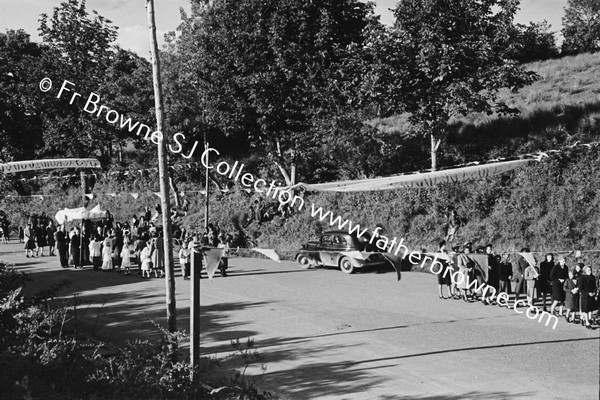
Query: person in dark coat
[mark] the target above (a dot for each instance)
(75, 249)
(587, 290)
(571, 296)
(558, 275)
(29, 238)
(544, 282)
(40, 239)
(444, 276)
(505, 270)
(62, 241)
(50, 238)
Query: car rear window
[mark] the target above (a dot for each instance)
(327, 239)
(340, 240)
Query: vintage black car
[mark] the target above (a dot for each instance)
(339, 249)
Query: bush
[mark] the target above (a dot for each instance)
(41, 358)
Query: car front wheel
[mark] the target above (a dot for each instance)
(346, 265)
(303, 261)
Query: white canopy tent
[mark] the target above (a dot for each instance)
(79, 213)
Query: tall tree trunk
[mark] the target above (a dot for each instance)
(164, 181)
(174, 188)
(435, 144)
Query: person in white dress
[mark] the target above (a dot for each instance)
(107, 261)
(125, 256)
(146, 259)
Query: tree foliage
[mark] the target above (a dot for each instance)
(20, 122)
(581, 27)
(455, 60)
(271, 69)
(534, 42)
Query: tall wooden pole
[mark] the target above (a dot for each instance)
(196, 264)
(207, 184)
(163, 176)
(83, 190)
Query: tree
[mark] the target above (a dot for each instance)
(20, 123)
(127, 87)
(270, 70)
(581, 27)
(534, 42)
(81, 49)
(455, 61)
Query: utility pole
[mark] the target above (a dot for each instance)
(207, 170)
(164, 179)
(207, 185)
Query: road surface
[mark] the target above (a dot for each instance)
(327, 335)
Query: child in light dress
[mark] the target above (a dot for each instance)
(125, 256)
(146, 259)
(184, 261)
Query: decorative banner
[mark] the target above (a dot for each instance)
(428, 179)
(135, 195)
(34, 165)
(529, 258)
(268, 252)
(212, 258)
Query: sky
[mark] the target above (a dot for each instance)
(130, 16)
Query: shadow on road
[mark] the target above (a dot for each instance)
(468, 349)
(464, 396)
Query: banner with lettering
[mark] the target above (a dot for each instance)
(34, 165)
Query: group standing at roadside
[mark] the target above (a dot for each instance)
(107, 245)
(574, 291)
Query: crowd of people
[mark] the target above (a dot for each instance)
(108, 245)
(574, 292)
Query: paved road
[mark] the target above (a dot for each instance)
(327, 335)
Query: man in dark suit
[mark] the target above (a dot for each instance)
(62, 243)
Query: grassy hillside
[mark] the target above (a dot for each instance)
(563, 106)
